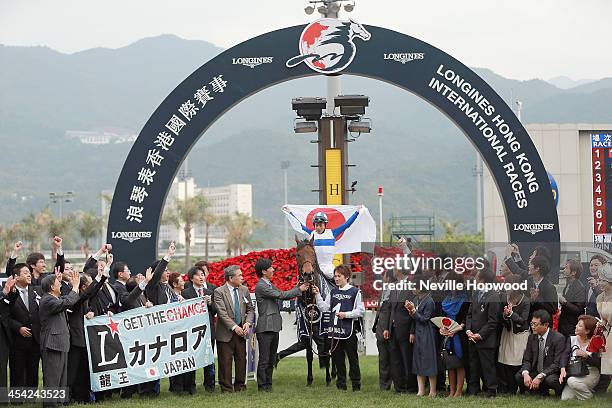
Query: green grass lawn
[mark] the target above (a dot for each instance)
(290, 390)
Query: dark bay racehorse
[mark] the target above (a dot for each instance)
(307, 314)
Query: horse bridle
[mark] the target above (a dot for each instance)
(333, 342)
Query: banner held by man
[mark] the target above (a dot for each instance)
(146, 344)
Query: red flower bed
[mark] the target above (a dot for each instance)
(283, 260)
(285, 276)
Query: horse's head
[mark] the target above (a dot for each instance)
(306, 259)
(357, 30)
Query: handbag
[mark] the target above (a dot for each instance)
(577, 367)
(449, 359)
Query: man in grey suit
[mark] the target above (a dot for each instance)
(54, 330)
(269, 321)
(235, 314)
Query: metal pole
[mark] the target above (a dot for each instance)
(333, 82)
(478, 193)
(286, 221)
(380, 213)
(380, 220)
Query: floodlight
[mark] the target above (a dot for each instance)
(309, 108)
(363, 125)
(352, 106)
(307, 126)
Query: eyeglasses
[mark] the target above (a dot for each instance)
(535, 324)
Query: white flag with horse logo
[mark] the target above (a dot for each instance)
(351, 225)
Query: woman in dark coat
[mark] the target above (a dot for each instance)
(423, 336)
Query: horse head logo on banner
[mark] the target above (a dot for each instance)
(327, 46)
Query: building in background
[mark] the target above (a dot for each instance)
(101, 137)
(569, 154)
(223, 200)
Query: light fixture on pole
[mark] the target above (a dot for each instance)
(67, 197)
(309, 110)
(284, 167)
(380, 212)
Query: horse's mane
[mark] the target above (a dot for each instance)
(302, 244)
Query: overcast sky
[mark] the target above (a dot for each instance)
(520, 39)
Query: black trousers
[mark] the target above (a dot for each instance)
(78, 374)
(384, 364)
(24, 366)
(482, 365)
(401, 364)
(347, 349)
(550, 382)
(268, 346)
(181, 383)
(209, 380)
(4, 358)
(506, 375)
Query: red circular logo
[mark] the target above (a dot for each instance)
(334, 218)
(446, 322)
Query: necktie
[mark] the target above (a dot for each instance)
(111, 292)
(237, 318)
(24, 297)
(480, 294)
(168, 292)
(201, 290)
(541, 355)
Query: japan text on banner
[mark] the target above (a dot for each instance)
(350, 225)
(146, 344)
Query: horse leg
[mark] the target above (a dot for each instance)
(309, 358)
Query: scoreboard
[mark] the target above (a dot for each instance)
(601, 153)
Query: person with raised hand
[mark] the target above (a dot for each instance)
(54, 330)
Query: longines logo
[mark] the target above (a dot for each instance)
(131, 236)
(533, 228)
(252, 62)
(404, 57)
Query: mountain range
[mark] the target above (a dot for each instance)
(423, 161)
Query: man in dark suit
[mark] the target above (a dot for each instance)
(137, 285)
(382, 343)
(542, 359)
(157, 290)
(122, 274)
(542, 293)
(54, 330)
(201, 288)
(482, 330)
(7, 295)
(36, 261)
(515, 263)
(25, 329)
(269, 320)
(396, 323)
(573, 299)
(235, 311)
(78, 368)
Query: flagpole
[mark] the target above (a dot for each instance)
(380, 212)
